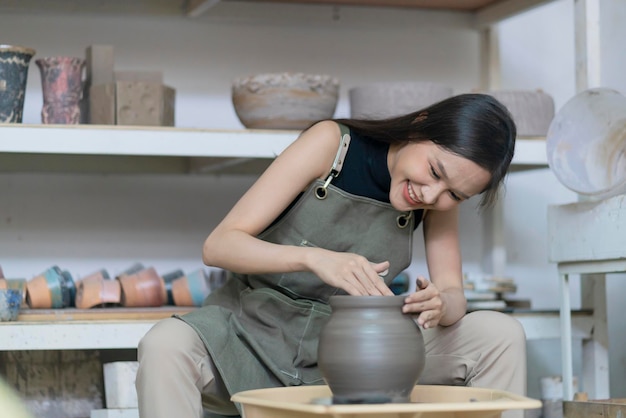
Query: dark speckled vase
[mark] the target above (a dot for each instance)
(14, 61)
(62, 85)
(369, 351)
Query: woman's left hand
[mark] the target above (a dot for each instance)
(426, 303)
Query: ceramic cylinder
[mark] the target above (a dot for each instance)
(14, 62)
(369, 351)
(62, 85)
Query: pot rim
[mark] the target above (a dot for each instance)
(350, 301)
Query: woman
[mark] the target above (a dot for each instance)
(335, 213)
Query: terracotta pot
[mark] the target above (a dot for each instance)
(97, 289)
(180, 292)
(388, 99)
(169, 279)
(369, 351)
(143, 289)
(38, 294)
(284, 100)
(14, 62)
(191, 290)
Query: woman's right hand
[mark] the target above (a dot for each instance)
(351, 272)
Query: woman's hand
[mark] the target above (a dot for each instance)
(426, 303)
(351, 272)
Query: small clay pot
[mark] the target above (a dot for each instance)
(369, 351)
(97, 289)
(169, 279)
(191, 290)
(17, 284)
(10, 302)
(143, 289)
(38, 294)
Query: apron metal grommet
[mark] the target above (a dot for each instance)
(403, 220)
(321, 193)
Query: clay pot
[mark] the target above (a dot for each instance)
(143, 289)
(532, 110)
(97, 289)
(191, 290)
(62, 85)
(53, 288)
(10, 302)
(284, 100)
(14, 61)
(17, 284)
(169, 279)
(369, 351)
(388, 99)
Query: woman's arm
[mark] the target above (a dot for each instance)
(442, 301)
(233, 245)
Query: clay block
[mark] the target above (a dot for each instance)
(100, 63)
(136, 103)
(150, 76)
(119, 384)
(102, 104)
(115, 413)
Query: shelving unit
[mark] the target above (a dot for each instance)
(114, 149)
(212, 150)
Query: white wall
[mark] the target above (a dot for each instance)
(86, 222)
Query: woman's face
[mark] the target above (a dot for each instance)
(426, 176)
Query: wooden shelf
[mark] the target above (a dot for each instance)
(115, 149)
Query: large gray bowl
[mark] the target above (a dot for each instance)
(388, 99)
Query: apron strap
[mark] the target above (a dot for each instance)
(340, 157)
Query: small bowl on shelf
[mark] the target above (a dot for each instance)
(284, 100)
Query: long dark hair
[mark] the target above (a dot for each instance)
(473, 126)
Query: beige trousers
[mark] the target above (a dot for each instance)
(176, 376)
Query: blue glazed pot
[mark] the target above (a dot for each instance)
(10, 302)
(14, 62)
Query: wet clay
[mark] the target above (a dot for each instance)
(369, 351)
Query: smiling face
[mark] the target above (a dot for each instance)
(426, 176)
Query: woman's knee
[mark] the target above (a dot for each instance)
(497, 327)
(167, 338)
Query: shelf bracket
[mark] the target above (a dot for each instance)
(195, 8)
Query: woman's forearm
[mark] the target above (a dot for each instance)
(239, 252)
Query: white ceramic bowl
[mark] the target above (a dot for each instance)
(284, 100)
(586, 143)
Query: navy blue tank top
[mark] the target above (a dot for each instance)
(365, 171)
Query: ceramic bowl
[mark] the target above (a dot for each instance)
(10, 302)
(284, 100)
(388, 99)
(532, 110)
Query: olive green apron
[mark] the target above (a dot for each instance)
(262, 330)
